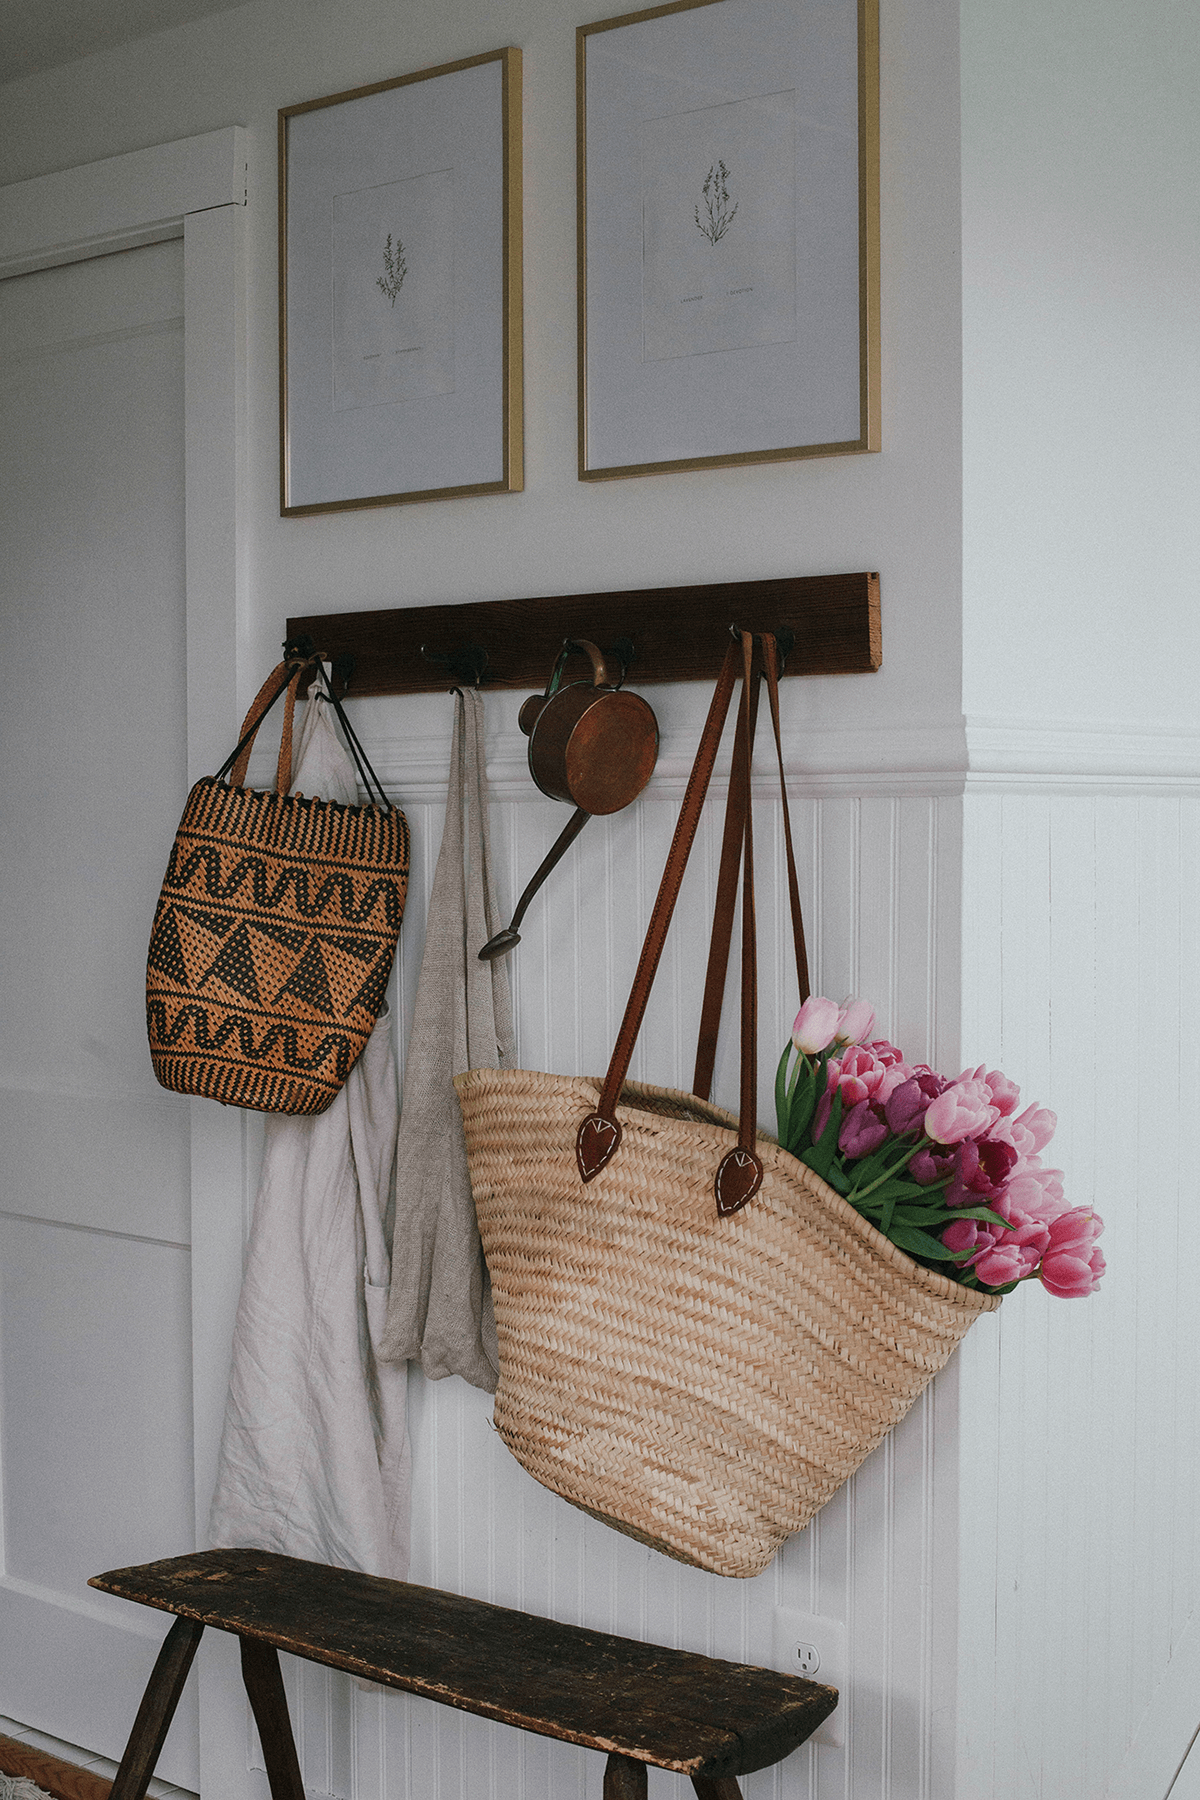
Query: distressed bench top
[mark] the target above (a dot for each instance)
(669, 1708)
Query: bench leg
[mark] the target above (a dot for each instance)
(723, 1788)
(157, 1709)
(268, 1702)
(624, 1778)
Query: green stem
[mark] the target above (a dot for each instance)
(861, 1193)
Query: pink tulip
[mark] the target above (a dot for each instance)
(816, 1025)
(1040, 1124)
(963, 1110)
(1072, 1265)
(1014, 1255)
(856, 1021)
(1037, 1191)
(1005, 1093)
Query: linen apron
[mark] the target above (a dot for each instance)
(440, 1310)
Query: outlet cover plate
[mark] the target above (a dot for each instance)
(797, 1635)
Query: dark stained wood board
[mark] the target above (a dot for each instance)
(665, 1707)
(679, 633)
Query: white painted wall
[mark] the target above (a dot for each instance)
(1081, 456)
(1039, 450)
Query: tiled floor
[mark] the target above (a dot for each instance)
(84, 1759)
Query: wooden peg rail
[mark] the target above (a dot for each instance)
(678, 633)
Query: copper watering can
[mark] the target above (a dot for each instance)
(592, 744)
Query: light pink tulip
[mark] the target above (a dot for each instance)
(1040, 1123)
(856, 1022)
(963, 1110)
(1005, 1093)
(816, 1025)
(1073, 1264)
(1037, 1191)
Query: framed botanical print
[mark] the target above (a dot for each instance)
(400, 321)
(728, 234)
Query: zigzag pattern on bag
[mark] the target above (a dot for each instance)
(272, 945)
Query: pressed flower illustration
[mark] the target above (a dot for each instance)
(395, 269)
(718, 214)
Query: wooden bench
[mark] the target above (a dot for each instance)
(640, 1704)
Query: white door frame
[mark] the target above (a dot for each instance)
(194, 189)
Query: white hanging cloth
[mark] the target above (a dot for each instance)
(315, 1458)
(440, 1309)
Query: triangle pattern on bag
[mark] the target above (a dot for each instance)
(166, 952)
(309, 981)
(185, 942)
(364, 950)
(370, 995)
(235, 969)
(289, 937)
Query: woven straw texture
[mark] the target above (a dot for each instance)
(702, 1384)
(272, 945)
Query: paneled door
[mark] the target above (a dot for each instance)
(121, 366)
(95, 1285)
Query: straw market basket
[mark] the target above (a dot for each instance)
(704, 1384)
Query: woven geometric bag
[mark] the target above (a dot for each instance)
(275, 930)
(699, 1362)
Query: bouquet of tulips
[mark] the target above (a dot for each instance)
(950, 1171)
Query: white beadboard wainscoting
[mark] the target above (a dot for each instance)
(1018, 1564)
(880, 883)
(1078, 1419)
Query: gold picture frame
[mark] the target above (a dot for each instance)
(757, 338)
(400, 355)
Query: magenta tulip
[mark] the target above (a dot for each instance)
(905, 1107)
(862, 1131)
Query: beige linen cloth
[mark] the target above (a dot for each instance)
(315, 1458)
(440, 1308)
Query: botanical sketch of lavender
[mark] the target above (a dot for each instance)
(395, 269)
(718, 250)
(718, 214)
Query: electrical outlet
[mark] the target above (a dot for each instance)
(805, 1644)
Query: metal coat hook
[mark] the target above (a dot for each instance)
(785, 641)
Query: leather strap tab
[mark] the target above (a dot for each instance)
(596, 1143)
(739, 1178)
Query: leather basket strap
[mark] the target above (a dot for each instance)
(740, 1172)
(771, 665)
(600, 1132)
(731, 847)
(722, 928)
